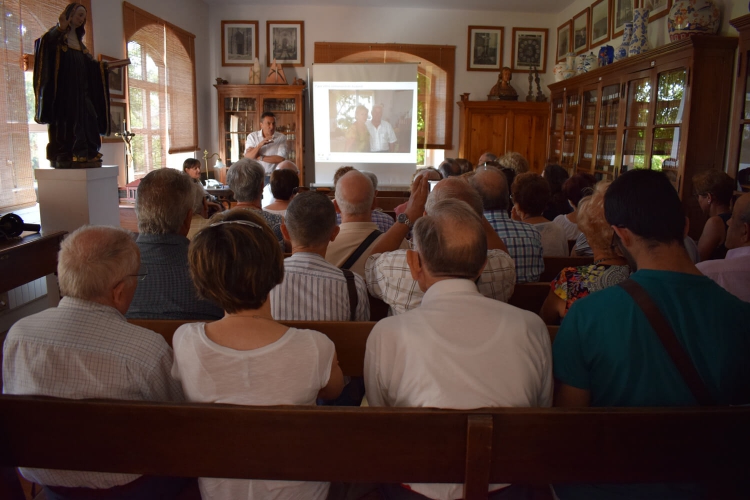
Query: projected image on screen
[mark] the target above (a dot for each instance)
(370, 121)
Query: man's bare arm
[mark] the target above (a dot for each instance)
(392, 238)
(571, 397)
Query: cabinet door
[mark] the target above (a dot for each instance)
(668, 117)
(589, 106)
(240, 119)
(528, 137)
(741, 142)
(488, 132)
(606, 136)
(570, 129)
(638, 109)
(557, 121)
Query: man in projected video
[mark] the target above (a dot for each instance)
(266, 145)
(382, 137)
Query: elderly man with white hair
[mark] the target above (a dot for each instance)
(84, 348)
(458, 349)
(355, 194)
(164, 214)
(245, 179)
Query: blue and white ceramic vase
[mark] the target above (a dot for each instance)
(591, 62)
(639, 41)
(621, 52)
(693, 17)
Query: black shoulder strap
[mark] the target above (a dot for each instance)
(353, 299)
(670, 342)
(360, 249)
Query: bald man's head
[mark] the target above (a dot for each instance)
(287, 165)
(355, 193)
(738, 232)
(454, 188)
(492, 186)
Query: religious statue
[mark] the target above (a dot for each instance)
(502, 89)
(72, 92)
(276, 74)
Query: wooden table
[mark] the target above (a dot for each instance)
(28, 258)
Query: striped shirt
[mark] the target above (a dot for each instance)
(84, 350)
(315, 290)
(389, 279)
(524, 244)
(383, 220)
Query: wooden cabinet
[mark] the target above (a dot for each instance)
(240, 108)
(504, 126)
(739, 132)
(666, 109)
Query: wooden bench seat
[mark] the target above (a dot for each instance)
(477, 447)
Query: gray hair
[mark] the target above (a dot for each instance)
(454, 188)
(94, 259)
(163, 199)
(245, 179)
(310, 219)
(357, 206)
(451, 240)
(492, 186)
(373, 178)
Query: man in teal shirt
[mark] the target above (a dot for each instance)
(607, 354)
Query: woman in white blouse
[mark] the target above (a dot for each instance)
(531, 193)
(574, 189)
(247, 358)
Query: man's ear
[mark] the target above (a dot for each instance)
(336, 206)
(185, 228)
(624, 234)
(374, 201)
(120, 298)
(335, 232)
(481, 270)
(415, 264)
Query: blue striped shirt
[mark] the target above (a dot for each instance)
(315, 290)
(524, 244)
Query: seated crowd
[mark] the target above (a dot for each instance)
(446, 267)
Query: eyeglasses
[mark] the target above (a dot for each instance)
(141, 275)
(241, 222)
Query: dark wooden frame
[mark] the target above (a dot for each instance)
(123, 78)
(659, 15)
(116, 104)
(500, 47)
(587, 13)
(300, 25)
(615, 32)
(569, 25)
(520, 31)
(607, 37)
(738, 121)
(226, 24)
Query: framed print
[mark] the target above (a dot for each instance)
(622, 13)
(117, 79)
(659, 8)
(581, 31)
(485, 52)
(529, 49)
(118, 120)
(285, 42)
(239, 42)
(600, 12)
(564, 40)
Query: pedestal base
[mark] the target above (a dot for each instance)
(71, 198)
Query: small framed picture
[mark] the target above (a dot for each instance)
(564, 41)
(285, 42)
(659, 8)
(622, 13)
(600, 13)
(239, 43)
(118, 120)
(529, 49)
(117, 79)
(485, 48)
(581, 31)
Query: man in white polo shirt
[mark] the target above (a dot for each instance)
(266, 146)
(382, 137)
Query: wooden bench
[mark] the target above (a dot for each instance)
(530, 296)
(391, 445)
(553, 265)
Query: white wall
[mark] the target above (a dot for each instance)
(189, 15)
(379, 25)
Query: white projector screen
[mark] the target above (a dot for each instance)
(345, 136)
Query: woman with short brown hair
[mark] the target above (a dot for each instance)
(531, 193)
(714, 190)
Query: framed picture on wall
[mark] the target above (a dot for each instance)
(564, 40)
(239, 42)
(529, 49)
(622, 13)
(600, 25)
(118, 120)
(285, 42)
(117, 79)
(581, 31)
(485, 48)
(659, 8)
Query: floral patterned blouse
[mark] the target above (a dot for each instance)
(574, 283)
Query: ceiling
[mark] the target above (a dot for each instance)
(542, 6)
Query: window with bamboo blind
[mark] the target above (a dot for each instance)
(161, 89)
(23, 142)
(436, 71)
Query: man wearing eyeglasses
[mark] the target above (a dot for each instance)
(84, 349)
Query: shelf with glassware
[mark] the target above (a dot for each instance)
(645, 107)
(739, 130)
(556, 130)
(240, 108)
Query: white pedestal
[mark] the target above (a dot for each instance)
(71, 198)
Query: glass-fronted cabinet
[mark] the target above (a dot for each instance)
(637, 110)
(557, 120)
(739, 138)
(590, 100)
(240, 109)
(668, 112)
(606, 147)
(570, 130)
